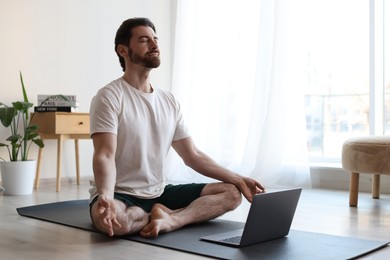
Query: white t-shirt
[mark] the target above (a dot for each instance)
(145, 125)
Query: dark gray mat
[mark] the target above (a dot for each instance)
(297, 245)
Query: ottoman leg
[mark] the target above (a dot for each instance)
(375, 186)
(353, 189)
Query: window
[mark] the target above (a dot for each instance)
(345, 67)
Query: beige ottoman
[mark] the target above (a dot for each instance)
(370, 155)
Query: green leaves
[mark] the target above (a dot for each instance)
(7, 115)
(22, 106)
(25, 98)
(39, 142)
(16, 118)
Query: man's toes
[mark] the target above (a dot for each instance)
(148, 231)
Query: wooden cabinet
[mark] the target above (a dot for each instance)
(61, 126)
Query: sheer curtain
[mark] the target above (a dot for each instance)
(237, 76)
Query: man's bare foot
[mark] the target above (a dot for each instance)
(161, 221)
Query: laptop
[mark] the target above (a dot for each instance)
(270, 217)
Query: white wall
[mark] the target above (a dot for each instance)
(67, 47)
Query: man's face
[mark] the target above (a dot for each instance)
(143, 47)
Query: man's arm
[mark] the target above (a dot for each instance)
(104, 170)
(203, 164)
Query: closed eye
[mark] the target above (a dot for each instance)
(146, 39)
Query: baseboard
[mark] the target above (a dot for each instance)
(338, 179)
(50, 182)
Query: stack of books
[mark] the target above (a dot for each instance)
(56, 103)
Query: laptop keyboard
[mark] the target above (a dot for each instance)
(235, 240)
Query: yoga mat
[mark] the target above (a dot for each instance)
(297, 245)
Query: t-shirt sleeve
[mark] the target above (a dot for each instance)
(104, 111)
(181, 130)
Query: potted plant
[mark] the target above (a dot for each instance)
(18, 173)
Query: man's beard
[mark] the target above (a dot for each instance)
(147, 62)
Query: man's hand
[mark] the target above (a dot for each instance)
(249, 188)
(106, 215)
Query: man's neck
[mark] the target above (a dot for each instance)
(138, 80)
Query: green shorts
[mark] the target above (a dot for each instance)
(173, 197)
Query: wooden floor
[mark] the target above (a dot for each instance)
(322, 211)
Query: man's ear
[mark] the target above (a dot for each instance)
(122, 50)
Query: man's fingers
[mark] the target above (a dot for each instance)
(108, 220)
(116, 222)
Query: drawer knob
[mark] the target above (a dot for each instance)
(81, 123)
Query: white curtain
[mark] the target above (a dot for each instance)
(238, 77)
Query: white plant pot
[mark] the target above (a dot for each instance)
(18, 177)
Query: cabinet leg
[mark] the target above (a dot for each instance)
(59, 161)
(38, 170)
(76, 145)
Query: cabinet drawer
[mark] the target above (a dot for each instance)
(61, 122)
(72, 124)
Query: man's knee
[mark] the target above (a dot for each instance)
(228, 193)
(233, 196)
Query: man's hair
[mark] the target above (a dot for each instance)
(124, 33)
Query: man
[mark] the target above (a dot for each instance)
(133, 126)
